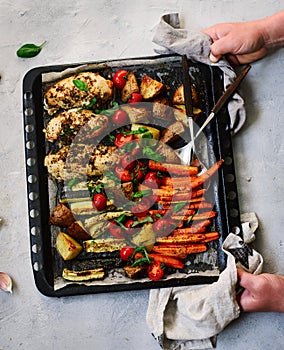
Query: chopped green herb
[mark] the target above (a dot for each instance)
(81, 85)
(149, 153)
(92, 103)
(179, 206)
(72, 182)
(147, 219)
(189, 219)
(140, 130)
(141, 194)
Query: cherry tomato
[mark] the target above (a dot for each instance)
(116, 230)
(138, 174)
(141, 208)
(119, 80)
(123, 174)
(151, 180)
(126, 252)
(120, 139)
(128, 162)
(99, 201)
(120, 117)
(135, 97)
(155, 271)
(130, 230)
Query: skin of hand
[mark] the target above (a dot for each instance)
(264, 292)
(246, 42)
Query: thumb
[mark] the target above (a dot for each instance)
(244, 278)
(222, 46)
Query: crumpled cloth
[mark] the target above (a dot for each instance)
(196, 46)
(187, 318)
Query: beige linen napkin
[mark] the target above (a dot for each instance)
(170, 39)
(186, 318)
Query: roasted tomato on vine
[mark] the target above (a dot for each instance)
(120, 117)
(119, 79)
(116, 230)
(142, 207)
(126, 253)
(123, 174)
(128, 162)
(129, 229)
(121, 139)
(135, 97)
(151, 180)
(155, 271)
(99, 201)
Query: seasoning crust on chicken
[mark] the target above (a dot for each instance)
(68, 123)
(66, 95)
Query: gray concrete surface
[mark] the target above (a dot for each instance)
(79, 31)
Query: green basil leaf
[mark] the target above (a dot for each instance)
(179, 206)
(147, 135)
(29, 50)
(72, 182)
(147, 219)
(142, 193)
(149, 153)
(189, 219)
(81, 85)
(92, 103)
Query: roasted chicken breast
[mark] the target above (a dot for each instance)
(81, 160)
(68, 123)
(66, 95)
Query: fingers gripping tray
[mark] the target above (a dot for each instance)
(185, 258)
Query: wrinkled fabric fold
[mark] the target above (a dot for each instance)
(172, 39)
(191, 317)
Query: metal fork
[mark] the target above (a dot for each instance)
(187, 152)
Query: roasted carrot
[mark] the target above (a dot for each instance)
(178, 250)
(196, 248)
(188, 230)
(204, 216)
(178, 169)
(167, 260)
(201, 205)
(188, 238)
(197, 227)
(182, 239)
(193, 194)
(178, 199)
(177, 181)
(168, 213)
(211, 236)
(199, 180)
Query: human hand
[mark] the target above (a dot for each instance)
(246, 42)
(241, 43)
(262, 292)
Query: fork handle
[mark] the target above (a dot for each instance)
(230, 90)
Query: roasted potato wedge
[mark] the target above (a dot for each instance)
(178, 97)
(130, 87)
(67, 246)
(61, 216)
(77, 231)
(150, 88)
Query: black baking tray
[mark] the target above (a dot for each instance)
(210, 85)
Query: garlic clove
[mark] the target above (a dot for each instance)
(5, 282)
